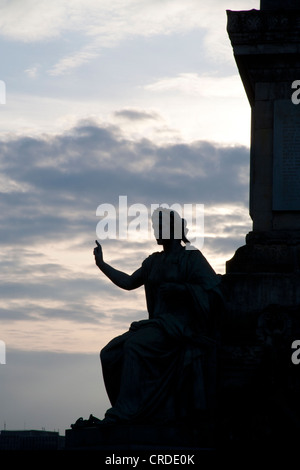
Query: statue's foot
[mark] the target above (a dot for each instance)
(93, 421)
(86, 423)
(80, 423)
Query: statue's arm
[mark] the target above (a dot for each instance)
(119, 278)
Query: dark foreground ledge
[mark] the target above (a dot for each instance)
(139, 437)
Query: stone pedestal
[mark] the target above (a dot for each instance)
(259, 382)
(266, 46)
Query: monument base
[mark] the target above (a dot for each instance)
(125, 437)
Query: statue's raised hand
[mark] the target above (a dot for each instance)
(98, 254)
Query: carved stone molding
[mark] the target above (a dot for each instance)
(252, 26)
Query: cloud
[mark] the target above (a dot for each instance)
(92, 163)
(136, 115)
(32, 21)
(74, 60)
(54, 178)
(103, 19)
(103, 24)
(204, 86)
(32, 72)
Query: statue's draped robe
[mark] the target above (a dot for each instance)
(162, 369)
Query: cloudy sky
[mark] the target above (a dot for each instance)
(135, 98)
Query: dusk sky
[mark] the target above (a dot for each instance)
(136, 98)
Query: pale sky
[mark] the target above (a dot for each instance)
(140, 98)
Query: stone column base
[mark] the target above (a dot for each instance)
(267, 252)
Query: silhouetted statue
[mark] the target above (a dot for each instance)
(155, 372)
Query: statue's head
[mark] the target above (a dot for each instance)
(168, 225)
